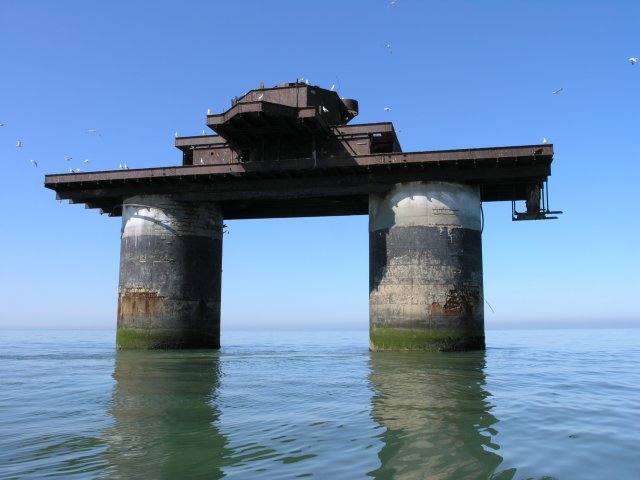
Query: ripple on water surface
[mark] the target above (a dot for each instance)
(543, 404)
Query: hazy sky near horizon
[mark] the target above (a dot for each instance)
(459, 74)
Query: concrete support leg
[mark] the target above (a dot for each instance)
(170, 274)
(425, 268)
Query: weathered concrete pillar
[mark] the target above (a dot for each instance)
(425, 268)
(170, 274)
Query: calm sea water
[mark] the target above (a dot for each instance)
(536, 404)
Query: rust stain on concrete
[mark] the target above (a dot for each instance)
(139, 302)
(457, 302)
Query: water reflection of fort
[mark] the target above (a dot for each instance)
(434, 407)
(165, 416)
(437, 416)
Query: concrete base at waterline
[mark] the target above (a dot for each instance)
(425, 268)
(170, 274)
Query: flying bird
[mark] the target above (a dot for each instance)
(175, 134)
(633, 60)
(208, 111)
(324, 109)
(94, 131)
(333, 87)
(34, 163)
(19, 144)
(556, 92)
(68, 158)
(86, 160)
(261, 96)
(544, 140)
(388, 47)
(2, 124)
(387, 109)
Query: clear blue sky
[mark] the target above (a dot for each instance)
(461, 74)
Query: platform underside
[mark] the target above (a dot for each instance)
(308, 187)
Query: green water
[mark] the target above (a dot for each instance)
(538, 404)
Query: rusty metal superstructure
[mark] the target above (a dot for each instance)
(289, 151)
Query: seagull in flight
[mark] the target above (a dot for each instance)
(34, 163)
(86, 160)
(333, 87)
(68, 158)
(388, 47)
(2, 124)
(387, 109)
(261, 96)
(19, 144)
(325, 109)
(556, 92)
(544, 140)
(633, 60)
(94, 130)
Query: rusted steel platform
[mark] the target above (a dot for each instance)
(288, 143)
(329, 186)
